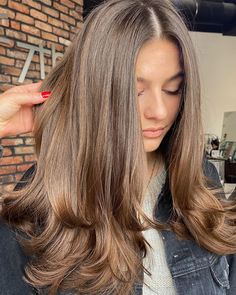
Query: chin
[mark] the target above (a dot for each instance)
(151, 145)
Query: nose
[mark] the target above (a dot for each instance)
(156, 107)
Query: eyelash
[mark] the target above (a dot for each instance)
(176, 92)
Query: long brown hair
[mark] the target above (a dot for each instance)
(82, 209)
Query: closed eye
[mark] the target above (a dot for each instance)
(176, 92)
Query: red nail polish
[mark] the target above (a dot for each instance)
(45, 94)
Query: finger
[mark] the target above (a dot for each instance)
(27, 98)
(26, 87)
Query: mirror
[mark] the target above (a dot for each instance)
(229, 127)
(228, 137)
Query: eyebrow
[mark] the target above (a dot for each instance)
(175, 77)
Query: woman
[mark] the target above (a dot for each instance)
(120, 199)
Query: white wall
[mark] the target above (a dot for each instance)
(217, 63)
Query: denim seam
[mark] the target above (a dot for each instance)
(187, 271)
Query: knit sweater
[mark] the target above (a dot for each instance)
(160, 281)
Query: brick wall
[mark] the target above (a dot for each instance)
(47, 23)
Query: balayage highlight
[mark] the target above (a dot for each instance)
(82, 209)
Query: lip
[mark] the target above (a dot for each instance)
(153, 133)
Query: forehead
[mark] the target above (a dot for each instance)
(158, 58)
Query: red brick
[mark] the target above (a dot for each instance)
(50, 11)
(60, 32)
(15, 34)
(3, 2)
(35, 57)
(73, 29)
(43, 26)
(7, 169)
(5, 87)
(60, 7)
(55, 22)
(48, 68)
(66, 26)
(7, 179)
(64, 41)
(24, 18)
(10, 43)
(30, 134)
(4, 23)
(7, 61)
(76, 15)
(11, 141)
(33, 74)
(79, 9)
(37, 14)
(8, 12)
(47, 2)
(37, 67)
(32, 4)
(32, 66)
(58, 47)
(2, 50)
(19, 63)
(24, 150)
(80, 2)
(30, 158)
(49, 36)
(15, 25)
(23, 167)
(48, 61)
(11, 160)
(30, 141)
(5, 79)
(17, 54)
(30, 30)
(67, 18)
(7, 152)
(18, 6)
(35, 41)
(68, 3)
(11, 71)
(2, 32)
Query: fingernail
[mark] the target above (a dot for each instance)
(45, 94)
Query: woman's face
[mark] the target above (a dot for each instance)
(159, 78)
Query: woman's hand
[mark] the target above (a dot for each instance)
(16, 108)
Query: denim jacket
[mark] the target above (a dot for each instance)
(195, 270)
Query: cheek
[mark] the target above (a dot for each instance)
(141, 108)
(174, 106)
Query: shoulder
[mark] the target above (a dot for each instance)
(12, 263)
(211, 173)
